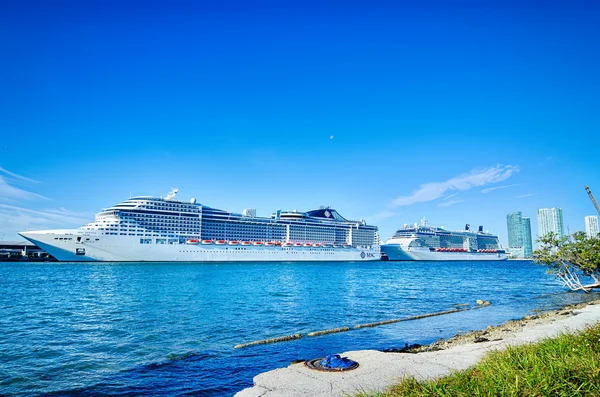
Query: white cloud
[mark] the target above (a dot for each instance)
(545, 161)
(450, 196)
(489, 189)
(385, 214)
(58, 217)
(449, 203)
(12, 223)
(9, 190)
(14, 193)
(476, 178)
(525, 195)
(15, 218)
(17, 176)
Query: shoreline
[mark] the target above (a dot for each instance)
(380, 370)
(498, 332)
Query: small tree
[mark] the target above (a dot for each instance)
(572, 259)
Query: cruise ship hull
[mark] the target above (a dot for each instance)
(394, 252)
(65, 246)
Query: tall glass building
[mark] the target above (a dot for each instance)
(527, 244)
(515, 230)
(550, 220)
(591, 226)
(519, 235)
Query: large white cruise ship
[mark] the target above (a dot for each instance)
(428, 243)
(166, 229)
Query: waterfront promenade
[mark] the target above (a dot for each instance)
(379, 371)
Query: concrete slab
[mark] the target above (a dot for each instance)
(378, 371)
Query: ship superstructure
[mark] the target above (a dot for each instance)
(148, 228)
(429, 243)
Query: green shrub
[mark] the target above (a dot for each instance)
(568, 365)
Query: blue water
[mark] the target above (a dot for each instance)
(169, 329)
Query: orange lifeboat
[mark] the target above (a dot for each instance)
(258, 243)
(233, 242)
(246, 243)
(307, 244)
(269, 244)
(316, 245)
(192, 241)
(288, 244)
(220, 242)
(278, 243)
(206, 242)
(297, 244)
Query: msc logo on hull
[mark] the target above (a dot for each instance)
(364, 255)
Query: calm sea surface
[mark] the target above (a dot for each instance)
(169, 329)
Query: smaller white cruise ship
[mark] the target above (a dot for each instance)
(169, 230)
(421, 242)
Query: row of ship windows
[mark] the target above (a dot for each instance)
(282, 227)
(154, 204)
(290, 223)
(177, 241)
(161, 217)
(166, 219)
(130, 234)
(156, 223)
(365, 241)
(296, 233)
(294, 252)
(142, 227)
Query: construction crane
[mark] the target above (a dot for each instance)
(589, 192)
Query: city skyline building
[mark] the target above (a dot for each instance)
(519, 235)
(550, 220)
(591, 226)
(513, 224)
(527, 241)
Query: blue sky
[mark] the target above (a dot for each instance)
(457, 111)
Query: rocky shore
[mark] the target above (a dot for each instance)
(500, 332)
(380, 370)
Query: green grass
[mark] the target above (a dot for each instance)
(568, 365)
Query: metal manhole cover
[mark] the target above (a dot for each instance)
(316, 364)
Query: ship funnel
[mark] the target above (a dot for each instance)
(480, 229)
(467, 227)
